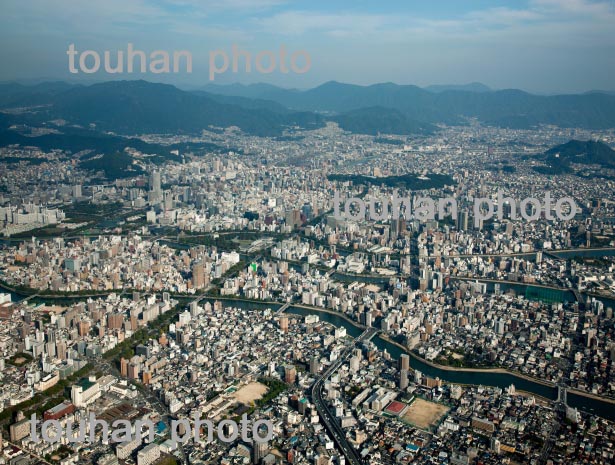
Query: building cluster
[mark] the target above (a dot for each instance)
(111, 262)
(259, 224)
(43, 345)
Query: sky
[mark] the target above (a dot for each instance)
(542, 46)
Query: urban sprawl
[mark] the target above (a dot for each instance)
(222, 285)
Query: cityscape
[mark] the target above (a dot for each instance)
(283, 273)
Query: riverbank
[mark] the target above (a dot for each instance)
(468, 370)
(331, 312)
(589, 395)
(509, 283)
(463, 376)
(526, 385)
(263, 303)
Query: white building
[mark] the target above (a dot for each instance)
(85, 392)
(148, 455)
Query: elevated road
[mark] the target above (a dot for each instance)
(330, 422)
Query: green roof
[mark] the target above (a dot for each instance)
(85, 383)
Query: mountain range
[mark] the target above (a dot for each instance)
(471, 87)
(134, 107)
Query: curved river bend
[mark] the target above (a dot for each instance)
(502, 380)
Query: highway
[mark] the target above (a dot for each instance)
(330, 422)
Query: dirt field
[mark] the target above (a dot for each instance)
(250, 393)
(424, 414)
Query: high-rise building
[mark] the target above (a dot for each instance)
(198, 275)
(355, 364)
(133, 371)
(115, 320)
(314, 366)
(155, 188)
(395, 228)
(155, 184)
(284, 323)
(404, 362)
(290, 374)
(259, 451)
(463, 221)
(61, 350)
(293, 218)
(84, 328)
(403, 379)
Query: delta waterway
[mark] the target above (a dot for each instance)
(601, 408)
(598, 407)
(594, 405)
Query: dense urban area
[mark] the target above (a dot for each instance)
(219, 284)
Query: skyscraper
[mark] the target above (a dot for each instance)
(404, 362)
(198, 275)
(155, 187)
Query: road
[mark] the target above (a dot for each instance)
(330, 422)
(503, 281)
(107, 368)
(551, 438)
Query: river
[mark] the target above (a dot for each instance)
(501, 380)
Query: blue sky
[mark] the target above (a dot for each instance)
(537, 45)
